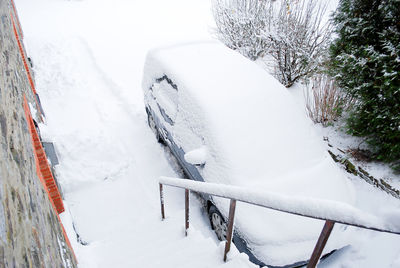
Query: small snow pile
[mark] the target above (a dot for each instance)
(197, 156)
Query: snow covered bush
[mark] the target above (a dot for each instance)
(240, 23)
(325, 102)
(365, 60)
(298, 39)
(289, 35)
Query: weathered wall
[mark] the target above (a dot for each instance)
(30, 233)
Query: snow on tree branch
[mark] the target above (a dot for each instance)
(289, 35)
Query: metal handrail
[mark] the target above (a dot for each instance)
(235, 193)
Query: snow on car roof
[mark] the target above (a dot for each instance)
(256, 135)
(253, 118)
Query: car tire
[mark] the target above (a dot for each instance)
(218, 223)
(153, 127)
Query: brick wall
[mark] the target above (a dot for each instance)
(30, 232)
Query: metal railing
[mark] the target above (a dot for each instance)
(272, 201)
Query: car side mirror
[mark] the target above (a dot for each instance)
(197, 156)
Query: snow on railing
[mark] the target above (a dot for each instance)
(330, 211)
(303, 206)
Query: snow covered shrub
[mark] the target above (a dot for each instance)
(325, 102)
(290, 35)
(365, 60)
(240, 23)
(298, 39)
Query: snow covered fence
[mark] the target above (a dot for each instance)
(302, 206)
(330, 211)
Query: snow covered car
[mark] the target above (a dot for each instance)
(227, 121)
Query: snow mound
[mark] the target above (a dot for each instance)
(197, 156)
(256, 137)
(254, 129)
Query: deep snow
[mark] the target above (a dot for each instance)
(88, 59)
(222, 100)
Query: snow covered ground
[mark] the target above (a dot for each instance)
(88, 59)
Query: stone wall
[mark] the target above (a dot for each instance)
(30, 232)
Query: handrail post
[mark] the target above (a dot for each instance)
(319, 247)
(186, 211)
(230, 227)
(162, 202)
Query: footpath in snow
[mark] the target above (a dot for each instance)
(88, 59)
(110, 161)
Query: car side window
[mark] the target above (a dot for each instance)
(165, 94)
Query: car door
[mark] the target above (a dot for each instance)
(182, 137)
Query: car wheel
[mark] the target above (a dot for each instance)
(153, 127)
(218, 223)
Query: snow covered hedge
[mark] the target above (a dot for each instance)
(366, 63)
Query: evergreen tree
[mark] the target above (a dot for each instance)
(365, 60)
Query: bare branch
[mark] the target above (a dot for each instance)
(324, 100)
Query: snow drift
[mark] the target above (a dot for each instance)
(255, 137)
